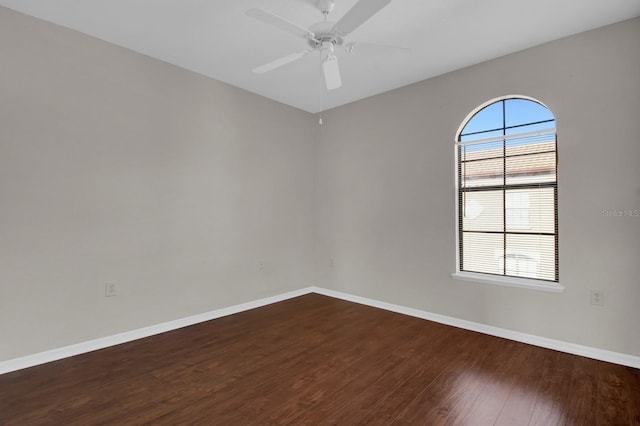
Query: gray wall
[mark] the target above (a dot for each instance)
(118, 167)
(387, 195)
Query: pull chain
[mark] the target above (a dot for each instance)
(321, 86)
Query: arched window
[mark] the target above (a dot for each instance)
(507, 195)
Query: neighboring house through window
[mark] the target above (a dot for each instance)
(507, 195)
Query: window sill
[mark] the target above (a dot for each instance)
(509, 281)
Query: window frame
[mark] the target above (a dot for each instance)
(487, 278)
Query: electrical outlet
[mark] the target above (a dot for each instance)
(332, 262)
(597, 297)
(110, 289)
(261, 265)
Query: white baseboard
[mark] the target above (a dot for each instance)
(101, 343)
(558, 345)
(105, 342)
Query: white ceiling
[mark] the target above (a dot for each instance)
(217, 39)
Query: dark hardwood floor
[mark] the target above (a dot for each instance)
(318, 360)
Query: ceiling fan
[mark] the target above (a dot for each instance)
(324, 36)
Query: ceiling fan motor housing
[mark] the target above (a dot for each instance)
(323, 32)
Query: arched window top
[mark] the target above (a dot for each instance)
(506, 116)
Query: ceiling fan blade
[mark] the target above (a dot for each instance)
(331, 72)
(356, 47)
(358, 15)
(280, 62)
(277, 21)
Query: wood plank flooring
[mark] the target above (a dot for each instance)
(316, 360)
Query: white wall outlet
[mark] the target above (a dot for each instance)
(261, 265)
(110, 289)
(332, 262)
(597, 297)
